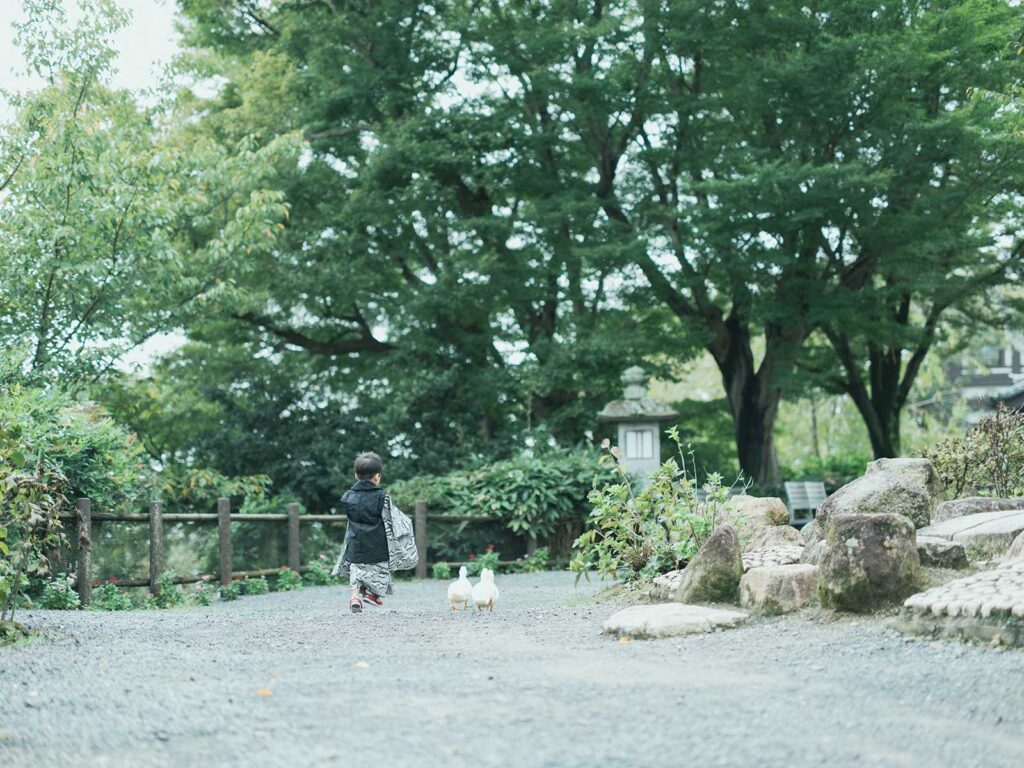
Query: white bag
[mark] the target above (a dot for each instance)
(403, 555)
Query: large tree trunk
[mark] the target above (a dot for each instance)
(753, 399)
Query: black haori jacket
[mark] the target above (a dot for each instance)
(366, 539)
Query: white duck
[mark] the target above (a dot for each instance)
(485, 593)
(460, 591)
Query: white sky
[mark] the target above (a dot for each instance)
(147, 44)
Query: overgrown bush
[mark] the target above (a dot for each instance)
(532, 495)
(110, 597)
(202, 593)
(287, 580)
(53, 448)
(256, 585)
(232, 591)
(59, 594)
(635, 535)
(168, 594)
(441, 571)
(987, 461)
(318, 573)
(538, 561)
(489, 558)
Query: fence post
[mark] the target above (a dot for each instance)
(224, 539)
(83, 511)
(294, 556)
(420, 516)
(156, 543)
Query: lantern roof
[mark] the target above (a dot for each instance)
(635, 404)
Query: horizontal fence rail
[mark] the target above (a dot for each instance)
(223, 517)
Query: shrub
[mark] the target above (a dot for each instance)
(59, 594)
(318, 573)
(201, 593)
(256, 585)
(167, 593)
(637, 535)
(110, 597)
(232, 591)
(988, 460)
(531, 494)
(53, 448)
(538, 561)
(441, 571)
(489, 559)
(287, 580)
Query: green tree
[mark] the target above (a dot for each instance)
(939, 230)
(114, 225)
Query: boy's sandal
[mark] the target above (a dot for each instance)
(373, 599)
(355, 605)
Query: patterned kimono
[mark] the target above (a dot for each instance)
(402, 553)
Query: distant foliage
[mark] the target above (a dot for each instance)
(637, 534)
(987, 461)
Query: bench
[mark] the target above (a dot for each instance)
(803, 499)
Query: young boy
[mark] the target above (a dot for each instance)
(365, 554)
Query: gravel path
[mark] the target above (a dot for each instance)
(533, 684)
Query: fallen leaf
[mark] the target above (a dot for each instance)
(264, 692)
(363, 664)
(623, 640)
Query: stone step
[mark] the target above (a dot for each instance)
(987, 606)
(985, 535)
(648, 622)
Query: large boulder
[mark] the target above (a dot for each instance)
(870, 560)
(749, 515)
(713, 575)
(918, 473)
(812, 553)
(778, 589)
(878, 493)
(940, 553)
(811, 533)
(774, 536)
(972, 505)
(1016, 550)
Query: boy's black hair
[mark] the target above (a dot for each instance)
(367, 465)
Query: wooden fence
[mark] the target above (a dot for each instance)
(155, 517)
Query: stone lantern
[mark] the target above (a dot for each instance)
(639, 419)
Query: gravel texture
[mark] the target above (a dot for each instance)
(533, 684)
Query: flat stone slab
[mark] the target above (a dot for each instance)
(986, 606)
(648, 622)
(775, 554)
(985, 535)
